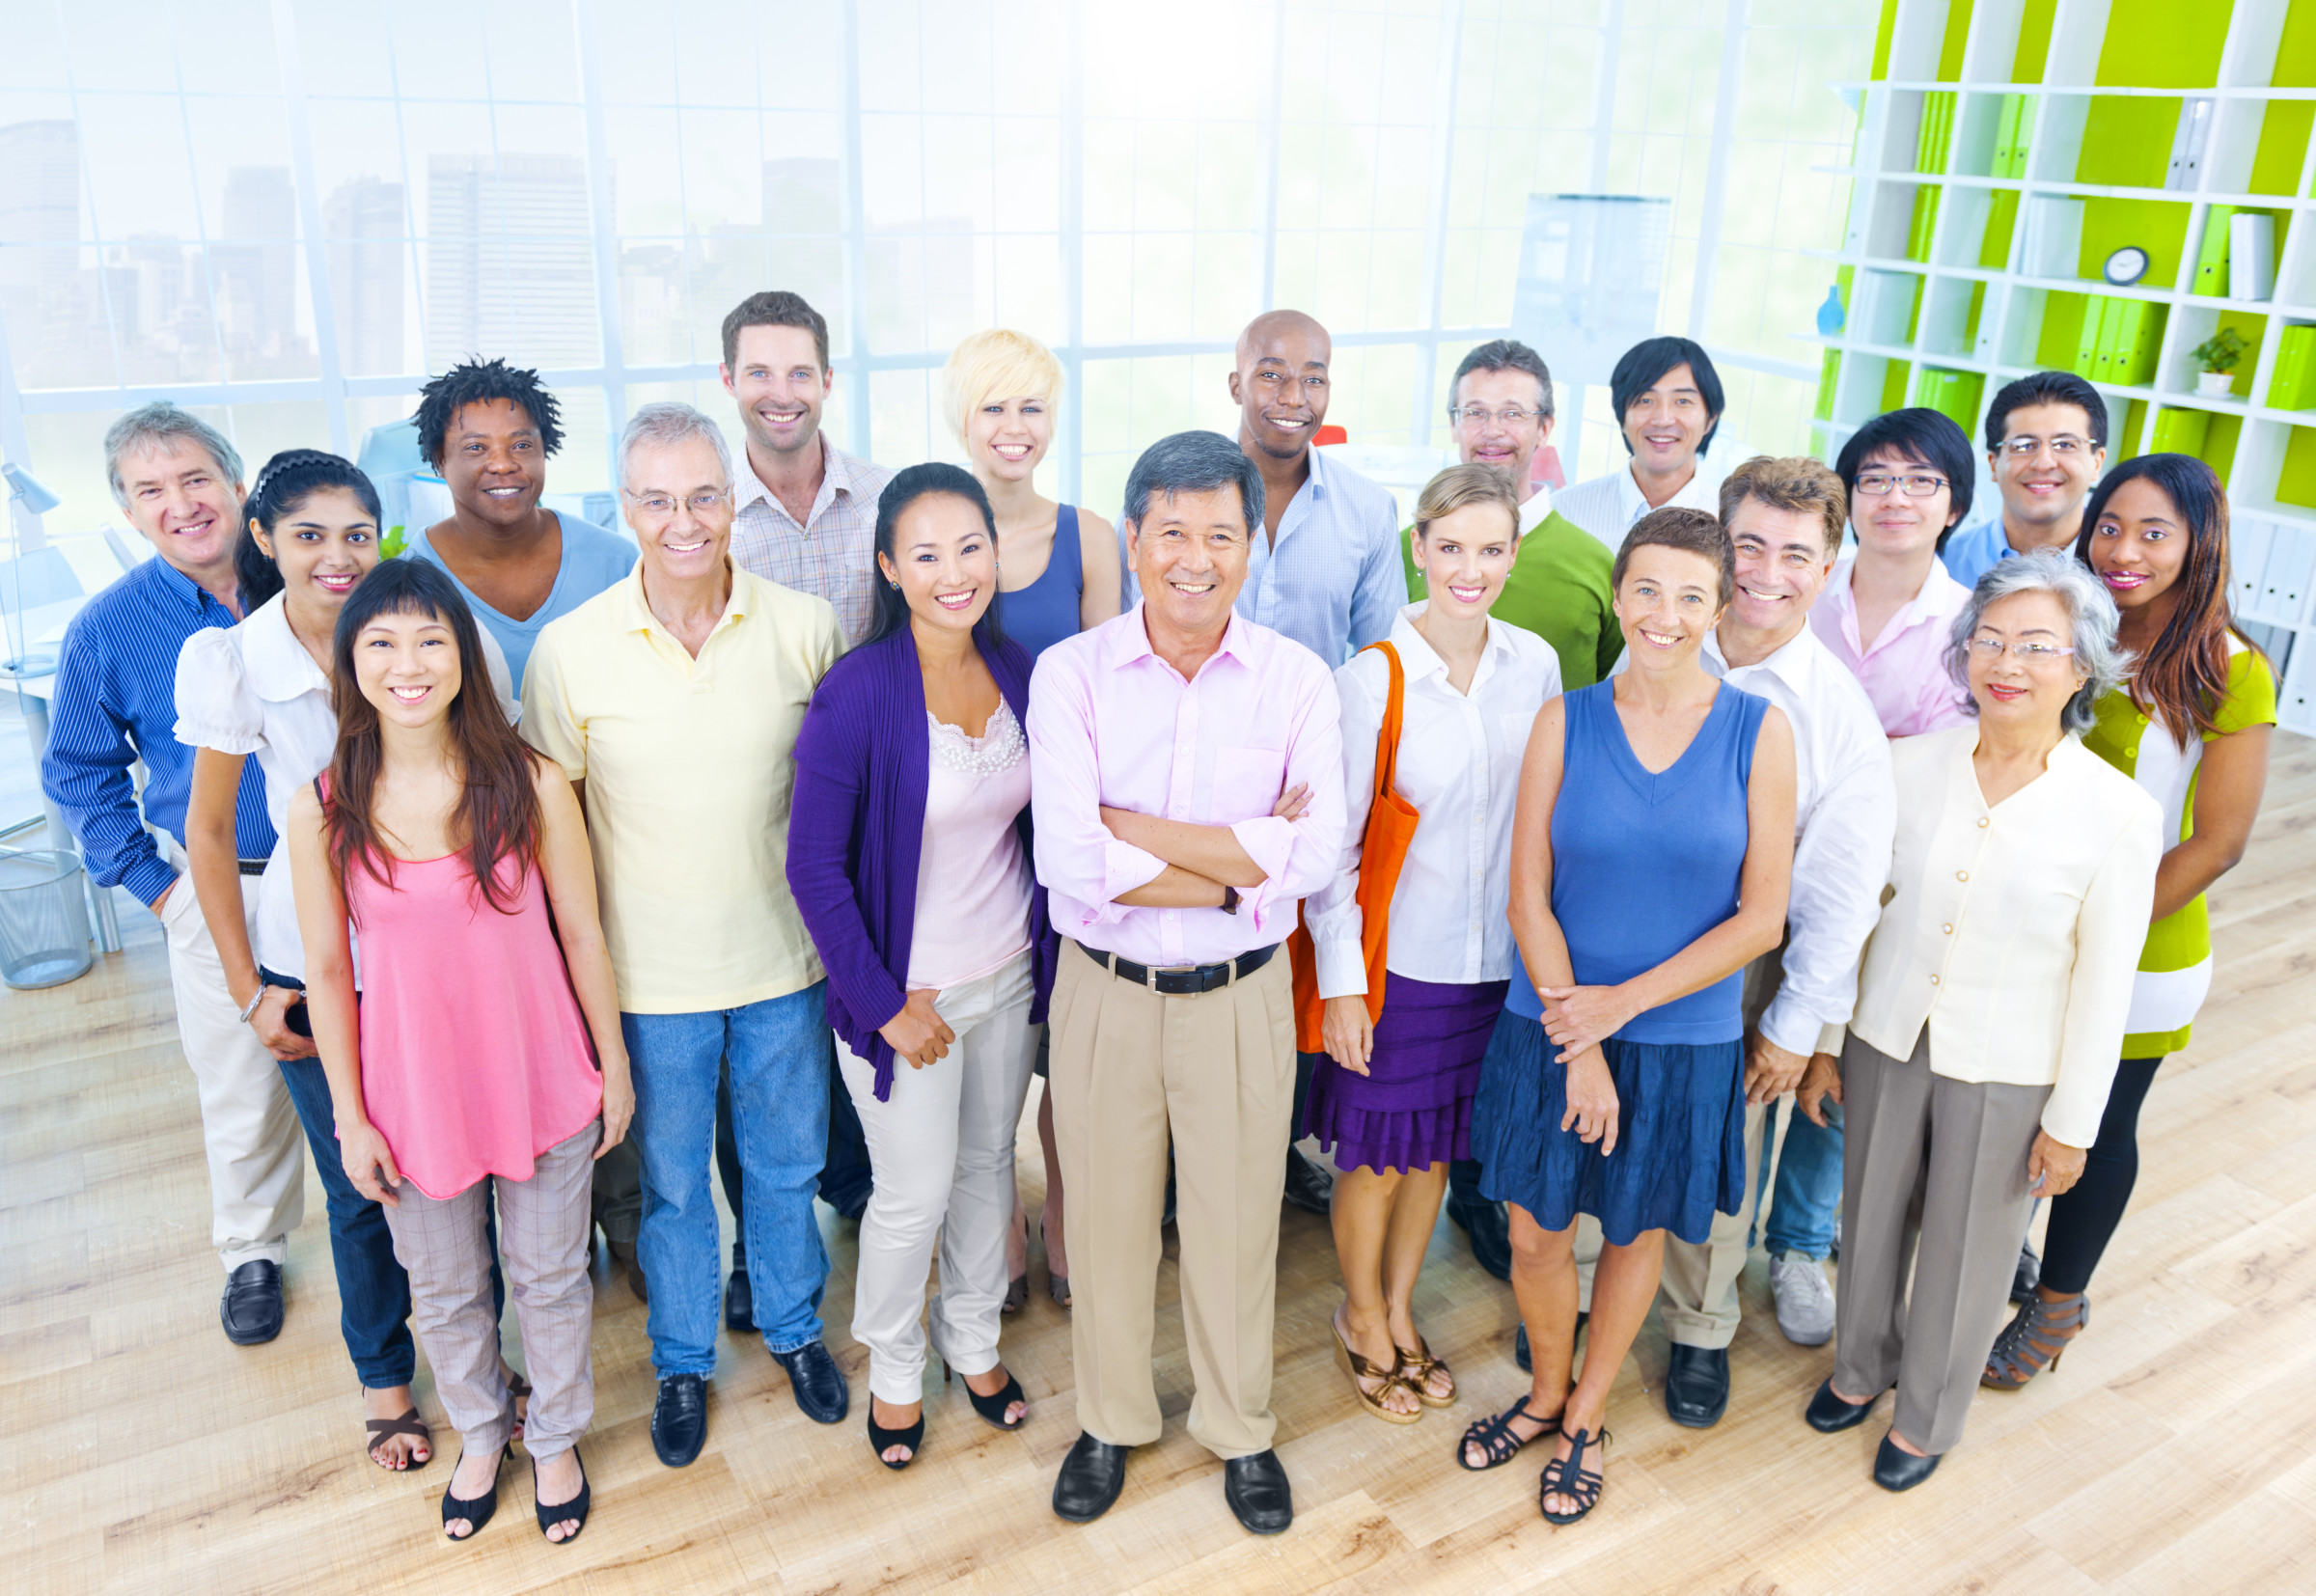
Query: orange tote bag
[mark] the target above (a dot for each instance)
(1383, 851)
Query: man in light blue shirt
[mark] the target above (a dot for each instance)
(2046, 439)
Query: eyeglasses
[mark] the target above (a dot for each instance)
(1993, 648)
(2066, 446)
(1914, 488)
(1473, 415)
(659, 506)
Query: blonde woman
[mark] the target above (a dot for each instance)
(1060, 575)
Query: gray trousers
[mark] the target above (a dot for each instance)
(543, 1248)
(1932, 1184)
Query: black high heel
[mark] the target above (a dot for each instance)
(475, 1510)
(880, 1438)
(992, 1408)
(575, 1508)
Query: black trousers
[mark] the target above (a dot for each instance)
(2083, 1221)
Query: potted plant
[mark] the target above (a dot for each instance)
(2217, 356)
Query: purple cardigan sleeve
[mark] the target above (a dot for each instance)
(832, 765)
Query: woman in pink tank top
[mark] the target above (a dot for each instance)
(485, 1045)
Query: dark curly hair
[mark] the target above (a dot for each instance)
(476, 381)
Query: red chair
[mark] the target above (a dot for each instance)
(1328, 434)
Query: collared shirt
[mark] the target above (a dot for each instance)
(832, 555)
(116, 704)
(1533, 509)
(1217, 750)
(592, 560)
(689, 765)
(1971, 551)
(1459, 765)
(1607, 507)
(2013, 929)
(1905, 671)
(254, 689)
(1557, 589)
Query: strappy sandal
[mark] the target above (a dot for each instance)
(1361, 1371)
(1567, 1477)
(477, 1511)
(383, 1430)
(2036, 1337)
(1017, 1295)
(1495, 1438)
(1417, 1366)
(575, 1508)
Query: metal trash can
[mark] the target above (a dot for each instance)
(44, 918)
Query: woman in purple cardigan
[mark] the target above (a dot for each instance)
(909, 856)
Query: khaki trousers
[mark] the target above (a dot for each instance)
(1215, 1073)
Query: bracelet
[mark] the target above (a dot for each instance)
(251, 1007)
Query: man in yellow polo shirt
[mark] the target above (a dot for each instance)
(673, 701)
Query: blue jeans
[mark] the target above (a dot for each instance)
(374, 1294)
(778, 1053)
(1808, 1205)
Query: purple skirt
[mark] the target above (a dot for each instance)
(1413, 1106)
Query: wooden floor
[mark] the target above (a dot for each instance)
(2176, 1451)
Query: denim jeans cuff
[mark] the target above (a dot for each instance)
(1817, 1250)
(387, 1379)
(792, 1346)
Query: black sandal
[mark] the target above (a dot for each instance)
(477, 1511)
(383, 1430)
(1567, 1477)
(880, 1437)
(1494, 1437)
(575, 1508)
(992, 1408)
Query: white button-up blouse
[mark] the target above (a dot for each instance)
(1459, 766)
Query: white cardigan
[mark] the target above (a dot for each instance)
(2013, 932)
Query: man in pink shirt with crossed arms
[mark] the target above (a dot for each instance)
(1186, 776)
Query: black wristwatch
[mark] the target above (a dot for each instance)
(1229, 899)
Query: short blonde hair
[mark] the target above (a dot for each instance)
(1795, 483)
(1462, 485)
(997, 364)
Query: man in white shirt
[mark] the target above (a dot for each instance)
(1668, 403)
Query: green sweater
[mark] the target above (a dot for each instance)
(1559, 591)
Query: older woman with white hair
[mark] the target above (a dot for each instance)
(1991, 1002)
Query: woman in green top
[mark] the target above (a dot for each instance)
(2192, 726)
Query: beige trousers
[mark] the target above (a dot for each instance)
(1215, 1074)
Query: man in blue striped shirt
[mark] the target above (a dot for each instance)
(179, 482)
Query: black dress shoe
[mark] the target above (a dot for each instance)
(1491, 1231)
(251, 1307)
(679, 1418)
(1524, 1358)
(1696, 1387)
(818, 1382)
(1308, 1187)
(2027, 1276)
(624, 1254)
(1256, 1490)
(1829, 1415)
(739, 1298)
(1898, 1470)
(1091, 1477)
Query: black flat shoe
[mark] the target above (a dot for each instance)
(1898, 1470)
(2027, 1276)
(1567, 1477)
(475, 1510)
(1091, 1477)
(1308, 1187)
(992, 1408)
(1697, 1385)
(1527, 1359)
(1256, 1490)
(1829, 1415)
(679, 1418)
(1490, 1231)
(911, 1436)
(739, 1298)
(251, 1308)
(817, 1383)
(575, 1508)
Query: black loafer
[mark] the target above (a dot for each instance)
(1829, 1414)
(251, 1308)
(739, 1298)
(1308, 1187)
(1898, 1470)
(1091, 1477)
(1256, 1490)
(1696, 1387)
(679, 1418)
(624, 1254)
(1526, 1358)
(818, 1382)
(1490, 1229)
(2027, 1276)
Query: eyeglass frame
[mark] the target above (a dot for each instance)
(1894, 479)
(1464, 415)
(700, 503)
(2026, 651)
(2061, 445)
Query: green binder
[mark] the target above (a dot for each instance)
(2089, 342)
(2181, 431)
(2023, 132)
(2132, 335)
(2211, 264)
(2288, 386)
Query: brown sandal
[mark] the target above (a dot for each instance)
(1417, 1366)
(382, 1430)
(1361, 1371)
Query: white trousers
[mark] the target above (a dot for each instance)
(940, 1150)
(248, 1125)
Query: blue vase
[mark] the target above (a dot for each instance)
(1829, 315)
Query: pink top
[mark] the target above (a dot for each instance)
(1110, 723)
(1905, 671)
(474, 1057)
(972, 882)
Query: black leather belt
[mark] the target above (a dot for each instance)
(253, 866)
(1182, 981)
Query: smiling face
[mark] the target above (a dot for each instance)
(1782, 564)
(182, 501)
(781, 387)
(2030, 694)
(2045, 465)
(1668, 600)
(1465, 556)
(678, 503)
(407, 667)
(494, 462)
(945, 561)
(1005, 438)
(1507, 447)
(1188, 552)
(1280, 384)
(1667, 423)
(1896, 525)
(2139, 546)
(322, 546)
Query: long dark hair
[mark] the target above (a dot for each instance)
(915, 483)
(2183, 678)
(289, 479)
(498, 815)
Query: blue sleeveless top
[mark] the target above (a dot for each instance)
(1643, 864)
(1046, 611)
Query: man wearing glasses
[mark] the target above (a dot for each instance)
(2046, 439)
